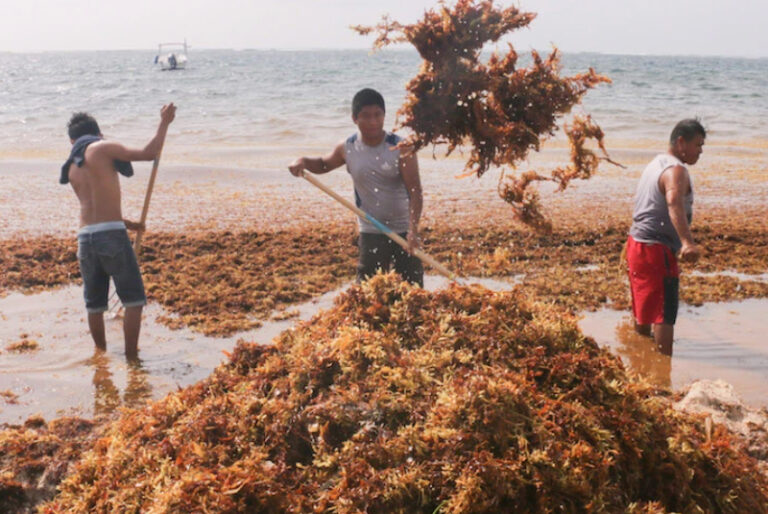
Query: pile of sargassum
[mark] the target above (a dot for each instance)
(403, 400)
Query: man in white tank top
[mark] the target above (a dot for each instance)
(387, 187)
(661, 232)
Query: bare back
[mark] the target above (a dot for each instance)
(97, 186)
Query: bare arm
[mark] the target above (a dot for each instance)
(134, 225)
(675, 185)
(319, 165)
(152, 149)
(409, 170)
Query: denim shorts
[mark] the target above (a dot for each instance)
(108, 254)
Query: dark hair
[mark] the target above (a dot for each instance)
(82, 124)
(364, 98)
(687, 129)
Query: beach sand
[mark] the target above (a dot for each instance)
(730, 182)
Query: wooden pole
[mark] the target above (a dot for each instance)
(145, 209)
(142, 220)
(427, 259)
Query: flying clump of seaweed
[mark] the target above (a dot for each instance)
(499, 109)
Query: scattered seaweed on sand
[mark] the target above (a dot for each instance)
(24, 345)
(500, 109)
(9, 396)
(35, 457)
(552, 267)
(38, 263)
(402, 400)
(223, 282)
(285, 314)
(217, 283)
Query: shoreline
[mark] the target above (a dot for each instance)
(180, 152)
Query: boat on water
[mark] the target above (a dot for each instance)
(172, 56)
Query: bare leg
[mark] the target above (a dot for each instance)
(131, 329)
(663, 334)
(96, 326)
(643, 330)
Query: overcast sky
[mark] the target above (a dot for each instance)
(687, 27)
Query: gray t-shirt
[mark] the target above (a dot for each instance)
(379, 187)
(650, 221)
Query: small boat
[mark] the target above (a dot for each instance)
(172, 56)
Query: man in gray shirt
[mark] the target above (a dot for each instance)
(661, 231)
(387, 186)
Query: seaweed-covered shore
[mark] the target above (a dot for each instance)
(396, 400)
(223, 282)
(220, 282)
(402, 400)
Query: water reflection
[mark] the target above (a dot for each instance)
(106, 396)
(717, 341)
(641, 354)
(137, 389)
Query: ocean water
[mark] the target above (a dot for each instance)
(260, 101)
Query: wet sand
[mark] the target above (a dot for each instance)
(729, 182)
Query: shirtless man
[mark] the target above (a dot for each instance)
(387, 186)
(104, 249)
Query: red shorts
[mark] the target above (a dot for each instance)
(654, 280)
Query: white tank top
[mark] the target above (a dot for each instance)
(650, 220)
(379, 187)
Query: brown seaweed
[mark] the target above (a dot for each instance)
(220, 283)
(500, 109)
(401, 400)
(24, 345)
(36, 456)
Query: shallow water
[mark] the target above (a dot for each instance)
(726, 341)
(66, 376)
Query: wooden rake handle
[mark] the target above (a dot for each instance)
(143, 219)
(145, 209)
(425, 258)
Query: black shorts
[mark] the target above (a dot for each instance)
(379, 252)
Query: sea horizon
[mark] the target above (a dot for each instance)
(403, 48)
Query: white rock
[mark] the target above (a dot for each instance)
(719, 400)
